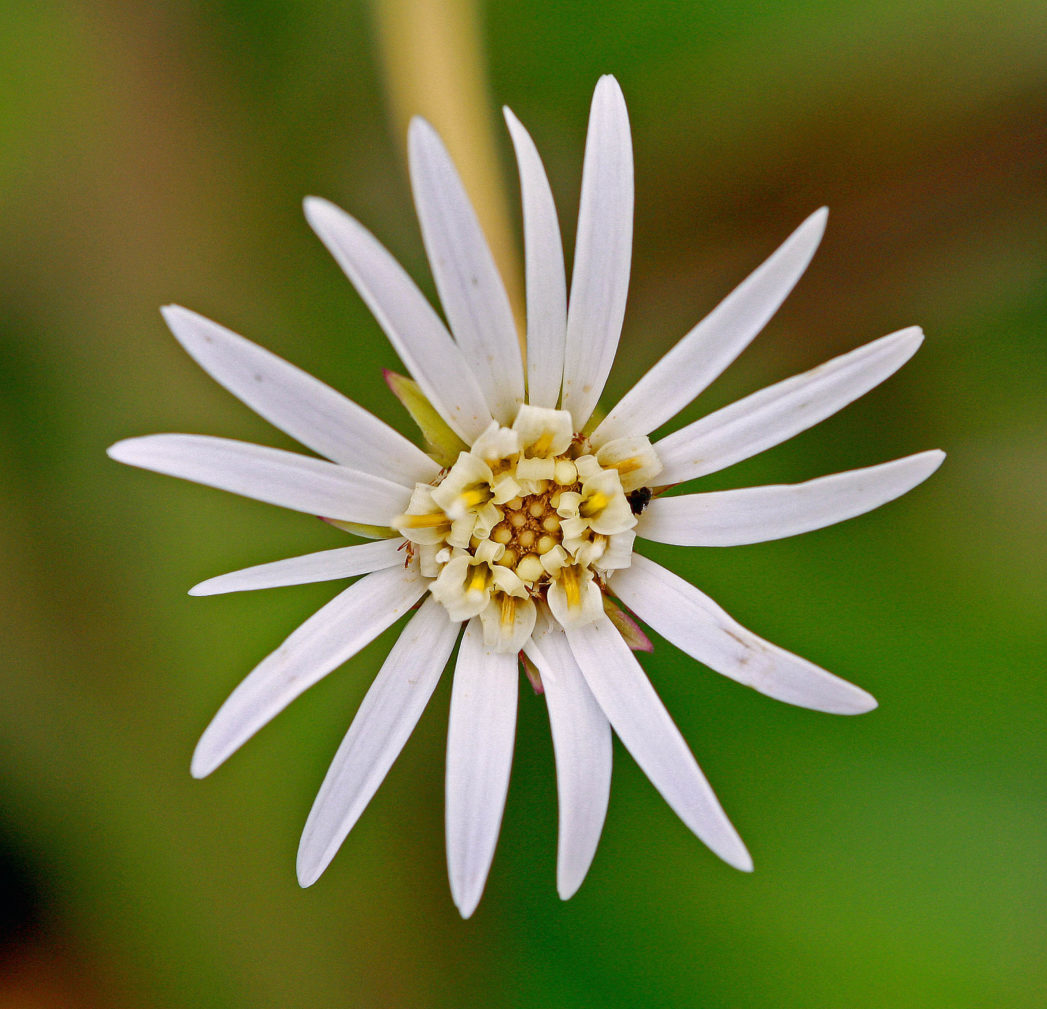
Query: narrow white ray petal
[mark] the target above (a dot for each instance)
(268, 474)
(546, 280)
(331, 636)
(471, 291)
(387, 716)
(694, 623)
(414, 329)
(758, 514)
(582, 744)
(716, 341)
(602, 253)
(775, 414)
(308, 410)
(322, 566)
(638, 716)
(480, 733)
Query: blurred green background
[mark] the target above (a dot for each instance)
(154, 152)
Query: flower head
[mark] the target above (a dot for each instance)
(515, 532)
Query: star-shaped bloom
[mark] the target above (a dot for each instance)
(512, 534)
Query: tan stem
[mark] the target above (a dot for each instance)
(431, 52)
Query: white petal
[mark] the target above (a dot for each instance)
(308, 410)
(602, 253)
(323, 566)
(387, 716)
(480, 733)
(693, 622)
(758, 514)
(716, 341)
(775, 414)
(644, 726)
(546, 281)
(408, 320)
(328, 638)
(268, 474)
(471, 291)
(582, 744)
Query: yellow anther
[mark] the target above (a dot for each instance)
(508, 611)
(572, 584)
(542, 445)
(429, 521)
(551, 523)
(501, 533)
(526, 538)
(477, 581)
(628, 465)
(594, 504)
(537, 509)
(545, 544)
(517, 520)
(509, 558)
(476, 495)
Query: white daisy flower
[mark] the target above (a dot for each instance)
(514, 531)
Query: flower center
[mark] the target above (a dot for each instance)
(530, 529)
(527, 515)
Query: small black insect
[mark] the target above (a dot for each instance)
(639, 499)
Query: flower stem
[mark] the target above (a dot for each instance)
(432, 60)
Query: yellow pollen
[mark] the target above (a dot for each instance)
(477, 580)
(628, 465)
(477, 495)
(542, 445)
(421, 521)
(508, 614)
(572, 584)
(594, 504)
